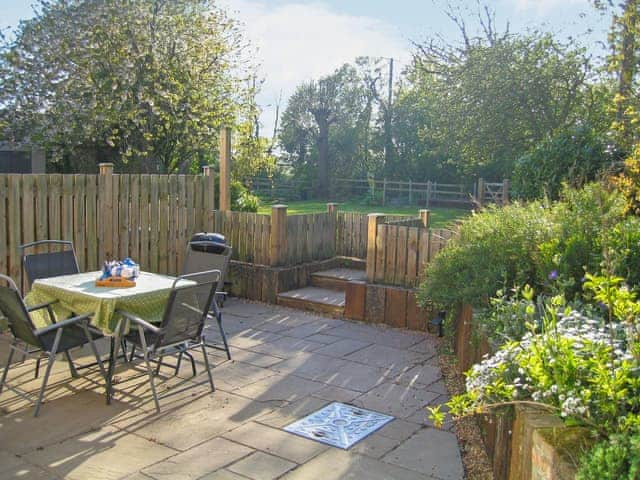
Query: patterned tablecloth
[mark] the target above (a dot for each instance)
(78, 294)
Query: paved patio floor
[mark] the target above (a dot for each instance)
(286, 364)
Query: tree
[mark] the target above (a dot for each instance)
(146, 84)
(312, 112)
(500, 93)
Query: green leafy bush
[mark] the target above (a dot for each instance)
(527, 244)
(495, 248)
(242, 200)
(575, 156)
(617, 458)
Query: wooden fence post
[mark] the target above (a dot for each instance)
(480, 198)
(332, 208)
(425, 216)
(375, 219)
(505, 191)
(384, 191)
(105, 212)
(278, 240)
(225, 169)
(209, 197)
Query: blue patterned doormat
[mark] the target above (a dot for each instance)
(339, 425)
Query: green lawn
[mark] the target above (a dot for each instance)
(440, 217)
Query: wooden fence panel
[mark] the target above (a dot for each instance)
(351, 234)
(146, 217)
(79, 219)
(14, 226)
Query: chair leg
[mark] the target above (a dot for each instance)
(72, 367)
(47, 372)
(95, 351)
(113, 358)
(123, 345)
(159, 363)
(193, 363)
(145, 353)
(6, 368)
(223, 335)
(179, 362)
(133, 352)
(207, 366)
(37, 372)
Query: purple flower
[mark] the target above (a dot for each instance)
(553, 275)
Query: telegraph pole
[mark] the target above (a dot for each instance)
(388, 134)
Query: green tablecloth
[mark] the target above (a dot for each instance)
(78, 294)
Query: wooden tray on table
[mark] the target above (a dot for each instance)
(116, 282)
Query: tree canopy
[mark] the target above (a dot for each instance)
(146, 84)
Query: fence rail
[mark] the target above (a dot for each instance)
(387, 191)
(149, 218)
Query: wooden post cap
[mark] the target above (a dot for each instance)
(105, 168)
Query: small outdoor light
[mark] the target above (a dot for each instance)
(436, 324)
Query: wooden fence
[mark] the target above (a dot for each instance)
(248, 233)
(149, 218)
(310, 237)
(398, 254)
(351, 234)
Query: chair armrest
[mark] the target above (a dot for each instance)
(63, 323)
(138, 321)
(41, 305)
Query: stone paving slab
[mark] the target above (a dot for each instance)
(105, 454)
(276, 441)
(431, 452)
(286, 365)
(198, 461)
(335, 464)
(262, 466)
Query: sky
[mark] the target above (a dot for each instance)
(299, 40)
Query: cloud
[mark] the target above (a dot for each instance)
(297, 42)
(542, 7)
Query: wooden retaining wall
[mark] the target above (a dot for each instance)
(149, 218)
(520, 442)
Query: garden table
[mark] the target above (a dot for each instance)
(78, 294)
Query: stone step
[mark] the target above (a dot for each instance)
(337, 278)
(314, 299)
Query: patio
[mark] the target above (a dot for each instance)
(286, 364)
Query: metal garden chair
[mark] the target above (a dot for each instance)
(48, 264)
(199, 260)
(48, 341)
(181, 329)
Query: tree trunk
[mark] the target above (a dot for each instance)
(323, 159)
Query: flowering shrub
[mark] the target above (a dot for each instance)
(578, 367)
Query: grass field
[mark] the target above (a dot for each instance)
(440, 217)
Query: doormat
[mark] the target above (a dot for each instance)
(339, 425)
